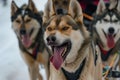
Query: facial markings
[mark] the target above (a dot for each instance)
(51, 27)
(111, 18)
(25, 22)
(114, 19)
(62, 27)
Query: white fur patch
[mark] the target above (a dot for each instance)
(23, 12)
(77, 39)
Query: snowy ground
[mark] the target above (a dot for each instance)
(12, 67)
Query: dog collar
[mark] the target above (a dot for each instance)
(105, 54)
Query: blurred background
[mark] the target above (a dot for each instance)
(12, 67)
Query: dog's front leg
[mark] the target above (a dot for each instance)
(47, 71)
(34, 72)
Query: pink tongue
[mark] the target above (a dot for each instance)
(26, 40)
(110, 41)
(57, 59)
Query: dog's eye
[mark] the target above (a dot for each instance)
(65, 28)
(28, 20)
(49, 29)
(106, 20)
(65, 2)
(18, 21)
(115, 21)
(56, 2)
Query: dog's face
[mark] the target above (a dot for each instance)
(108, 26)
(63, 36)
(24, 23)
(61, 6)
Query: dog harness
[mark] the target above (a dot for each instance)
(105, 54)
(75, 75)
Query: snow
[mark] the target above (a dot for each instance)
(12, 67)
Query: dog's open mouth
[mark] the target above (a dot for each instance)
(110, 39)
(25, 38)
(60, 53)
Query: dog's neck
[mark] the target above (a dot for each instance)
(82, 53)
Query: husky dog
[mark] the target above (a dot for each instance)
(107, 32)
(56, 7)
(27, 25)
(72, 54)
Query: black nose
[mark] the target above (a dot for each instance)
(51, 39)
(59, 11)
(111, 30)
(22, 31)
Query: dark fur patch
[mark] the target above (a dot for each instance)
(106, 12)
(74, 25)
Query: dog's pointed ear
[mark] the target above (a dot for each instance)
(14, 8)
(113, 4)
(118, 6)
(51, 7)
(32, 6)
(75, 11)
(101, 7)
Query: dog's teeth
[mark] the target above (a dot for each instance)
(64, 51)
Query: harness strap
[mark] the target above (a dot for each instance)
(94, 52)
(110, 66)
(35, 51)
(88, 16)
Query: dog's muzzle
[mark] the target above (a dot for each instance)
(60, 11)
(51, 40)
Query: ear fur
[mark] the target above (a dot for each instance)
(75, 11)
(32, 6)
(113, 4)
(48, 11)
(101, 7)
(118, 6)
(14, 8)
